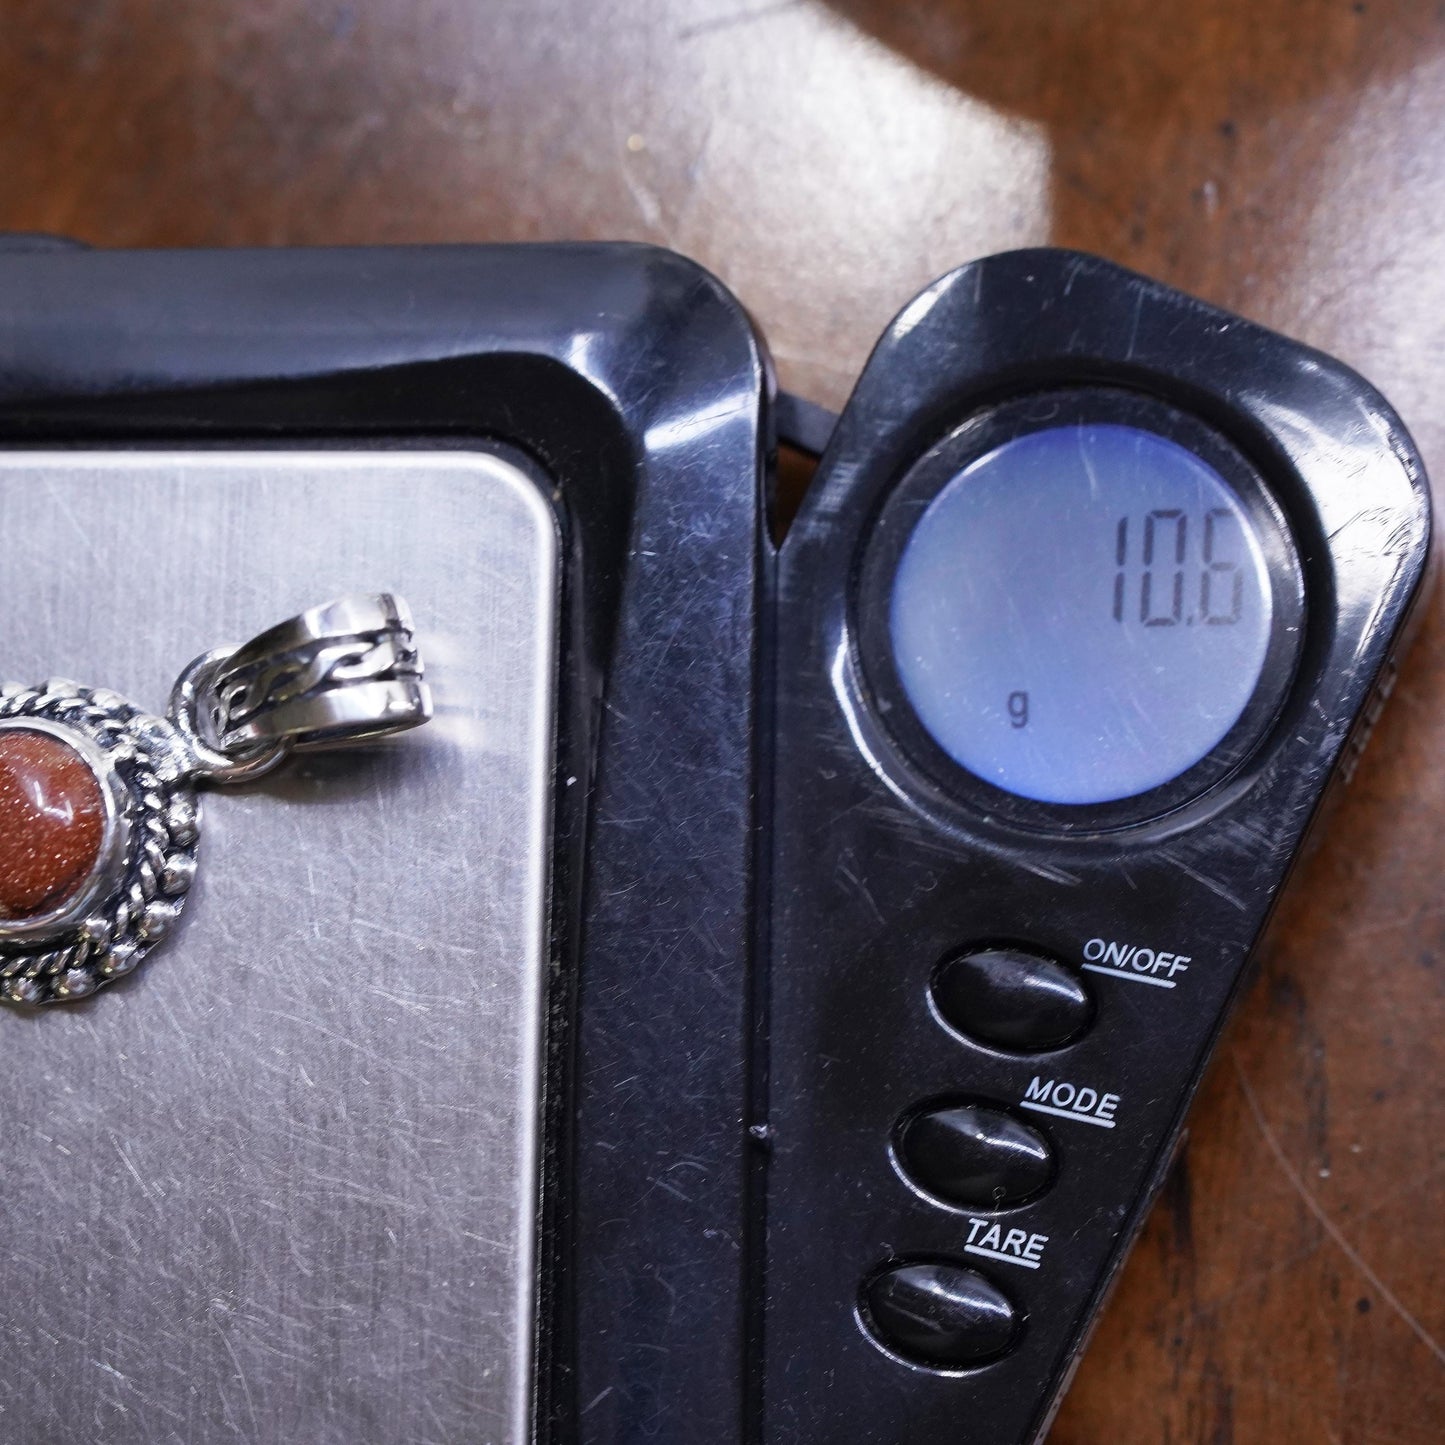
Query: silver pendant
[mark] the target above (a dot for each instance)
(99, 820)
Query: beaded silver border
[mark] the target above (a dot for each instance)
(150, 770)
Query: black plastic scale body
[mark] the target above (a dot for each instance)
(629, 384)
(988, 1012)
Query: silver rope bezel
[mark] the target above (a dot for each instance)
(146, 757)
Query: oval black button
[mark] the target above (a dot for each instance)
(1013, 999)
(975, 1157)
(941, 1314)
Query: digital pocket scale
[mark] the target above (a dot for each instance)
(760, 1006)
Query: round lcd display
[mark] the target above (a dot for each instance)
(1083, 613)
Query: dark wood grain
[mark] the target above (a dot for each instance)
(1285, 158)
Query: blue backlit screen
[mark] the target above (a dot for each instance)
(1082, 614)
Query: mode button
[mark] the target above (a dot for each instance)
(975, 1157)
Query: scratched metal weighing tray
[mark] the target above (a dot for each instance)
(295, 1156)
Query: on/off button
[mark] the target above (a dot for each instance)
(1012, 998)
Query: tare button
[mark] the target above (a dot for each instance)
(940, 1315)
(1065, 1099)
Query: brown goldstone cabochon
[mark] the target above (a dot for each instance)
(52, 823)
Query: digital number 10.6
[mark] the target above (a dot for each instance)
(1165, 583)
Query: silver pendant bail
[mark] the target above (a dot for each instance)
(346, 672)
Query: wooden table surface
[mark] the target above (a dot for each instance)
(1284, 158)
